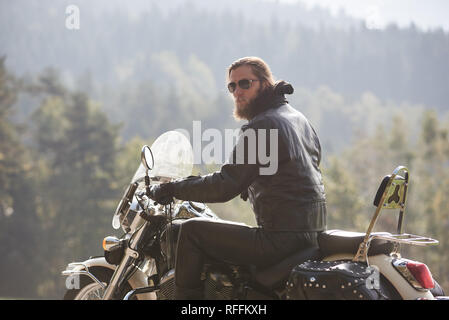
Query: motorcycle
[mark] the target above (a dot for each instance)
(346, 265)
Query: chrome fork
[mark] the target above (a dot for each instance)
(129, 257)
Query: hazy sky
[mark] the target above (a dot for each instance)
(424, 13)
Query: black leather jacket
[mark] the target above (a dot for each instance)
(291, 199)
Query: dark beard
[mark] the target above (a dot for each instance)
(264, 100)
(248, 110)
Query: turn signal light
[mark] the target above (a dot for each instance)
(110, 242)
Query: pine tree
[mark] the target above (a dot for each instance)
(18, 221)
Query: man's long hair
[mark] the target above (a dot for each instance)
(259, 67)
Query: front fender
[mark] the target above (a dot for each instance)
(138, 280)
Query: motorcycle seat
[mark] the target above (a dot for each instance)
(275, 276)
(340, 242)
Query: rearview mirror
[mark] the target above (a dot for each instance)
(147, 158)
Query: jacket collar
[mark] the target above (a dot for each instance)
(270, 98)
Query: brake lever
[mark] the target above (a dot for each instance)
(144, 203)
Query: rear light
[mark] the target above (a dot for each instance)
(416, 273)
(421, 273)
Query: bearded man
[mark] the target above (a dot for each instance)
(289, 203)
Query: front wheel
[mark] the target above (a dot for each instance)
(91, 290)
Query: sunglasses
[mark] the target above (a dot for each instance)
(243, 84)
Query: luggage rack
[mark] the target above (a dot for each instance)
(407, 238)
(392, 194)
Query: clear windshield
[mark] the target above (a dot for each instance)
(173, 157)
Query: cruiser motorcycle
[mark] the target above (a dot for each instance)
(345, 266)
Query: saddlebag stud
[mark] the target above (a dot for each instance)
(333, 280)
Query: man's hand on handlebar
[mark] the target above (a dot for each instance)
(161, 193)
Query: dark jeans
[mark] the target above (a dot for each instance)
(203, 239)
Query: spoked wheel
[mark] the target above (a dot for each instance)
(90, 289)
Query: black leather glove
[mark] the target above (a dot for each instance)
(162, 193)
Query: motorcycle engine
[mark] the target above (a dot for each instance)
(167, 286)
(217, 286)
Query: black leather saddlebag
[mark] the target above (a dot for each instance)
(333, 280)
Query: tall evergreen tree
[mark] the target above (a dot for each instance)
(77, 147)
(18, 222)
